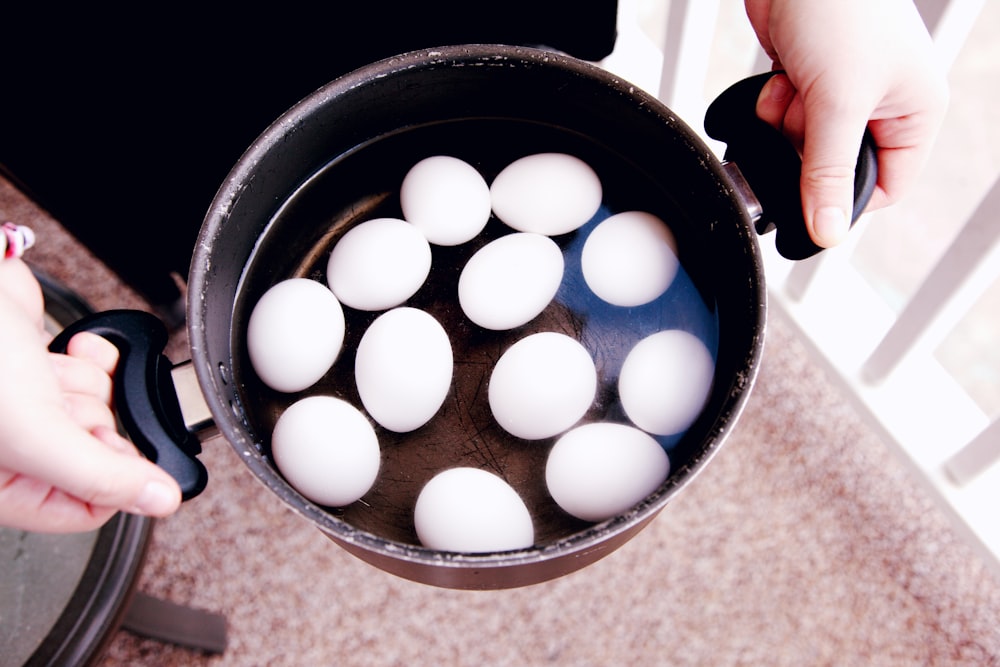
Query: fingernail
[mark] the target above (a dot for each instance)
(831, 225)
(777, 88)
(156, 499)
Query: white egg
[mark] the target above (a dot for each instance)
(630, 258)
(469, 510)
(445, 198)
(509, 281)
(665, 381)
(597, 471)
(542, 385)
(326, 449)
(403, 368)
(294, 334)
(378, 264)
(546, 193)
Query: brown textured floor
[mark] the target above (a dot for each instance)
(803, 543)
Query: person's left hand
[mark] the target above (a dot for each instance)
(63, 465)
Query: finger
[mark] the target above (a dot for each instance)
(780, 105)
(153, 491)
(84, 465)
(150, 491)
(115, 441)
(832, 141)
(904, 148)
(774, 99)
(78, 376)
(898, 168)
(30, 504)
(96, 349)
(88, 412)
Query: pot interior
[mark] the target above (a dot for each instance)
(338, 158)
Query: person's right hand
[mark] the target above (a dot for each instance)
(850, 65)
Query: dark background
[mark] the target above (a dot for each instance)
(123, 124)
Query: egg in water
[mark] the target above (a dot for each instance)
(629, 259)
(378, 264)
(546, 193)
(665, 381)
(403, 368)
(542, 385)
(599, 470)
(294, 334)
(510, 280)
(327, 449)
(445, 198)
(469, 510)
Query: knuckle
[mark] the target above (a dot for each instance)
(105, 489)
(88, 412)
(827, 176)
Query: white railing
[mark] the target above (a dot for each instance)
(883, 357)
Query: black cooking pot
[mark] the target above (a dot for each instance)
(338, 157)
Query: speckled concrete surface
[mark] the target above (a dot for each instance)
(803, 543)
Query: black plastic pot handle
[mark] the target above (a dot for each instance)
(772, 166)
(144, 394)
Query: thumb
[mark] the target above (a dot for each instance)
(832, 142)
(104, 469)
(152, 491)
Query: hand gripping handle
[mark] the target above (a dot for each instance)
(144, 395)
(773, 168)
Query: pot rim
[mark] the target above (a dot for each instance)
(591, 539)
